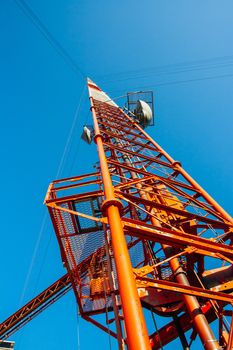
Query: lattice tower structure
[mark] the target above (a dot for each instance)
(141, 233)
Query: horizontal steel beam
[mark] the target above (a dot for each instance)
(174, 237)
(143, 282)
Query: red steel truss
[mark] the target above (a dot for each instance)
(140, 234)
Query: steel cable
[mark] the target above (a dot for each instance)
(30, 14)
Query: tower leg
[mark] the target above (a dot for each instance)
(137, 335)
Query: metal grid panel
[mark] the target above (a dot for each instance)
(87, 251)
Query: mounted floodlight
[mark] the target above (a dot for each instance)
(143, 113)
(87, 134)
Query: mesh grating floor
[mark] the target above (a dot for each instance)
(82, 243)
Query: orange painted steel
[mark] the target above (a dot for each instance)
(141, 233)
(182, 288)
(34, 307)
(178, 166)
(121, 135)
(193, 307)
(164, 231)
(178, 239)
(137, 335)
(169, 331)
(199, 320)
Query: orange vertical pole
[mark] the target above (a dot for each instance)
(137, 335)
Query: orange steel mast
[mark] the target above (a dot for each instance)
(153, 238)
(140, 234)
(136, 331)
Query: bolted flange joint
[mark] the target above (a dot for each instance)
(180, 273)
(98, 135)
(175, 163)
(108, 202)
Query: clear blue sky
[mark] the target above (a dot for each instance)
(180, 49)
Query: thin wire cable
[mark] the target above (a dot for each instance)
(30, 14)
(43, 261)
(45, 218)
(174, 68)
(192, 80)
(70, 136)
(167, 73)
(78, 331)
(211, 301)
(157, 330)
(74, 159)
(177, 82)
(106, 310)
(41, 232)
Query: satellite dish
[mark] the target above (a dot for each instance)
(87, 134)
(143, 113)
